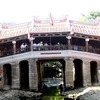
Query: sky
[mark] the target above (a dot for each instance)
(19, 11)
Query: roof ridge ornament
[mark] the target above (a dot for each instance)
(97, 24)
(51, 20)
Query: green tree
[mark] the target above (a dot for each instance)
(92, 16)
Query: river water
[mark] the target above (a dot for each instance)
(51, 93)
(48, 98)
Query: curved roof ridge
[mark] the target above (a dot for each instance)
(18, 25)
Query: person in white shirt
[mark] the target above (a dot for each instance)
(34, 46)
(22, 47)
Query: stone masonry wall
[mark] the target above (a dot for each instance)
(15, 75)
(86, 72)
(69, 72)
(33, 76)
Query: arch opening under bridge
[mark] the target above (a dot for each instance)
(51, 73)
(7, 76)
(24, 75)
(78, 73)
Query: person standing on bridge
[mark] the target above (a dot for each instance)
(34, 46)
(46, 46)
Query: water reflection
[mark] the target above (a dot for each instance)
(52, 93)
(44, 98)
(52, 98)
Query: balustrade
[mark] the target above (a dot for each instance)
(49, 48)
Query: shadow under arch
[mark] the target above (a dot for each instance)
(24, 75)
(7, 76)
(94, 72)
(78, 73)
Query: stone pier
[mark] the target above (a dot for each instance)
(86, 73)
(33, 76)
(69, 72)
(15, 75)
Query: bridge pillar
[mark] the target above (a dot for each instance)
(15, 75)
(86, 73)
(69, 80)
(33, 76)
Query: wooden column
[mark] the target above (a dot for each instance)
(69, 43)
(31, 45)
(86, 44)
(14, 47)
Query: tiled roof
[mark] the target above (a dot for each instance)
(74, 26)
(86, 29)
(16, 30)
(7, 33)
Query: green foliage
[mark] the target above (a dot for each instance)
(52, 98)
(52, 63)
(52, 91)
(92, 15)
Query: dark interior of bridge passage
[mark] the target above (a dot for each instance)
(24, 75)
(7, 75)
(93, 70)
(78, 41)
(51, 40)
(63, 40)
(78, 76)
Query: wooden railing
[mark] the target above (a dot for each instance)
(49, 48)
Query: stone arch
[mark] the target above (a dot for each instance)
(24, 75)
(94, 72)
(7, 76)
(78, 73)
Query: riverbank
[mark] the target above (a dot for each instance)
(87, 93)
(17, 94)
